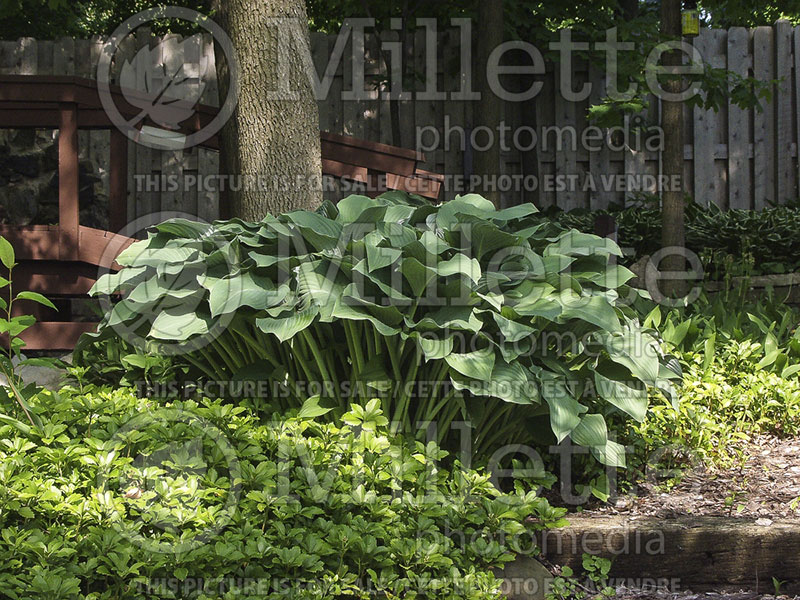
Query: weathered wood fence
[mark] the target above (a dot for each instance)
(735, 158)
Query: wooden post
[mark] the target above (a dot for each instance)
(118, 180)
(68, 203)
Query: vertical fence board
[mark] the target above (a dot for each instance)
(64, 57)
(704, 121)
(797, 97)
(566, 163)
(28, 56)
(763, 122)
(739, 141)
(785, 176)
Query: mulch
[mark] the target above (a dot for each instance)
(764, 486)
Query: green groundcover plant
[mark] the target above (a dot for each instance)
(457, 312)
(740, 379)
(118, 497)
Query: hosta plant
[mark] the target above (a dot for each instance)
(449, 314)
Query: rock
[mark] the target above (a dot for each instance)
(525, 579)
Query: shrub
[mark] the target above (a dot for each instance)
(733, 242)
(116, 497)
(455, 312)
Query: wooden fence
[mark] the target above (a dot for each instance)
(735, 158)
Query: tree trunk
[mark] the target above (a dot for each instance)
(489, 109)
(272, 139)
(672, 201)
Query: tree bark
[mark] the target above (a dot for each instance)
(272, 140)
(489, 109)
(672, 200)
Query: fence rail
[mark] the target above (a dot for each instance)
(734, 158)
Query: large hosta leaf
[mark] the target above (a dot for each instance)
(592, 309)
(178, 325)
(565, 410)
(615, 384)
(248, 289)
(286, 327)
(474, 365)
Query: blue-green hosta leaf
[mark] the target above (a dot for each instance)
(555, 263)
(167, 291)
(111, 282)
(513, 213)
(460, 264)
(248, 289)
(616, 387)
(493, 299)
(565, 410)
(378, 258)
(488, 242)
(591, 432)
(183, 228)
(319, 232)
(636, 350)
(512, 331)
(474, 365)
(613, 277)
(388, 283)
(286, 327)
(433, 243)
(611, 454)
(345, 308)
(548, 307)
(433, 348)
(512, 384)
(177, 325)
(418, 275)
(360, 209)
(576, 243)
(462, 318)
(469, 204)
(136, 255)
(592, 309)
(317, 285)
(353, 306)
(398, 234)
(123, 312)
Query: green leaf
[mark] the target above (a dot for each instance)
(311, 409)
(174, 324)
(592, 309)
(475, 365)
(613, 383)
(26, 429)
(590, 432)
(36, 297)
(286, 327)
(6, 253)
(565, 411)
(230, 294)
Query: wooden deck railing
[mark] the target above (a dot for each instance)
(62, 261)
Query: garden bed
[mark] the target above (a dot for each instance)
(725, 530)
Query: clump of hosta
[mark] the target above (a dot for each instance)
(452, 313)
